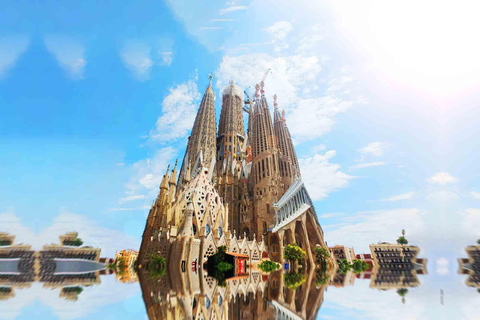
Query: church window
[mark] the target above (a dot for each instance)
(207, 229)
(229, 148)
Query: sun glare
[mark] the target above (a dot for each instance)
(430, 46)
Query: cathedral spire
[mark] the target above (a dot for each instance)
(164, 183)
(173, 177)
(203, 136)
(172, 183)
(230, 148)
(288, 162)
(264, 176)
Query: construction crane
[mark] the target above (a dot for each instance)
(264, 77)
(247, 101)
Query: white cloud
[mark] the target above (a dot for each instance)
(329, 215)
(70, 54)
(140, 56)
(470, 224)
(179, 108)
(309, 40)
(289, 75)
(367, 165)
(403, 196)
(148, 173)
(166, 58)
(211, 28)
(231, 9)
(136, 56)
(375, 148)
(370, 227)
(319, 166)
(321, 116)
(442, 178)
(279, 32)
(475, 195)
(132, 198)
(442, 266)
(319, 147)
(222, 20)
(443, 197)
(11, 48)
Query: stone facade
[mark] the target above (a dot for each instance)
(471, 266)
(246, 201)
(396, 266)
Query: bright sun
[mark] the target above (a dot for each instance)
(430, 46)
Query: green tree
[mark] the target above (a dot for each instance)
(294, 280)
(478, 241)
(76, 289)
(402, 292)
(402, 239)
(224, 266)
(268, 266)
(156, 266)
(77, 242)
(293, 252)
(344, 266)
(321, 254)
(359, 266)
(216, 265)
(321, 277)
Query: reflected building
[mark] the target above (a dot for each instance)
(129, 259)
(396, 266)
(253, 296)
(56, 266)
(471, 266)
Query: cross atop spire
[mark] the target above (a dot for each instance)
(275, 101)
(210, 78)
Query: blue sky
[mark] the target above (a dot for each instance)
(96, 100)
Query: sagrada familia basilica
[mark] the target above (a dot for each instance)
(234, 183)
(238, 189)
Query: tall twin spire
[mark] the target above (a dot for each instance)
(267, 171)
(201, 148)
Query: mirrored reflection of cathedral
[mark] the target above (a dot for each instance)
(66, 266)
(252, 297)
(470, 266)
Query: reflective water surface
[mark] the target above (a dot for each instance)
(77, 283)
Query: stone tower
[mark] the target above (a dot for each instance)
(287, 159)
(230, 150)
(201, 143)
(264, 177)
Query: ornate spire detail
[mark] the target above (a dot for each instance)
(288, 162)
(173, 177)
(203, 137)
(230, 149)
(164, 184)
(210, 78)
